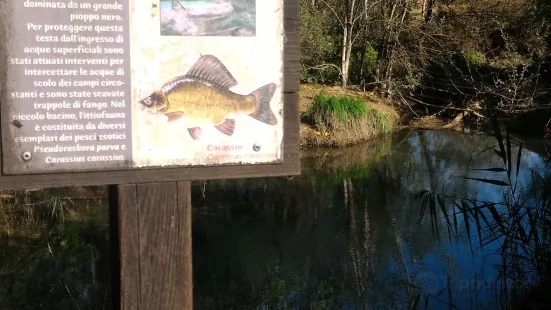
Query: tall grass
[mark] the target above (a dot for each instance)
(54, 253)
(347, 119)
(520, 222)
(344, 107)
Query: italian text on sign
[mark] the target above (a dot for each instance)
(94, 85)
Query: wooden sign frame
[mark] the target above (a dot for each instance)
(289, 166)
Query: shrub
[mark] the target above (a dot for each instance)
(475, 58)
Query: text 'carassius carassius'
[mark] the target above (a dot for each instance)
(203, 98)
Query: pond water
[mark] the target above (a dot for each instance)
(346, 234)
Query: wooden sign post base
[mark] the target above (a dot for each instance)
(151, 226)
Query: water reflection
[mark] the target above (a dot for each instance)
(346, 234)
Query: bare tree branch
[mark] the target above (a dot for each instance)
(334, 12)
(325, 66)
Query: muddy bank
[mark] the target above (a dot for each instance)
(388, 117)
(384, 118)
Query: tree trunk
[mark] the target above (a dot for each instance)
(365, 40)
(362, 63)
(351, 17)
(392, 28)
(348, 39)
(345, 57)
(386, 72)
(345, 66)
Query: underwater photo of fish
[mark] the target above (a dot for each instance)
(226, 18)
(202, 97)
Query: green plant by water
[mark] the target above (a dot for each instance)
(347, 119)
(341, 106)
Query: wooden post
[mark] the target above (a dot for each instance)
(153, 225)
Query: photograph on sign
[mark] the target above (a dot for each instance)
(208, 18)
(94, 86)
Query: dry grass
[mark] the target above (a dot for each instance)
(25, 213)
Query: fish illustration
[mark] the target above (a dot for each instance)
(203, 97)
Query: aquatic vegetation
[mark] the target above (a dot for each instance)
(520, 221)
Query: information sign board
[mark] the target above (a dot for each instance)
(110, 85)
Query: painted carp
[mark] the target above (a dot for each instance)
(202, 97)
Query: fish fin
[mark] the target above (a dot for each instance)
(263, 111)
(211, 69)
(195, 132)
(226, 127)
(174, 116)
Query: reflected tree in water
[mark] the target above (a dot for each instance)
(519, 219)
(345, 234)
(340, 234)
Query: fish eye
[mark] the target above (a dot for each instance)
(147, 101)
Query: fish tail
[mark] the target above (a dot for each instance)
(263, 111)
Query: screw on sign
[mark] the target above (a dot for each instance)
(26, 156)
(17, 123)
(256, 147)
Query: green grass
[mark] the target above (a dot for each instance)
(342, 106)
(475, 58)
